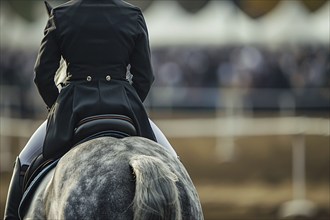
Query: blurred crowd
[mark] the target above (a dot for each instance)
(192, 77)
(18, 95)
(265, 76)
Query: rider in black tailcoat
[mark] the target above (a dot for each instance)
(98, 39)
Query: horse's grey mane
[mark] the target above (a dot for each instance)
(156, 189)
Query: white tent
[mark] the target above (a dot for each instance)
(221, 23)
(218, 23)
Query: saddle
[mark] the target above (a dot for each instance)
(113, 125)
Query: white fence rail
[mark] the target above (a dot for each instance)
(200, 127)
(241, 126)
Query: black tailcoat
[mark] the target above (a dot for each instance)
(96, 38)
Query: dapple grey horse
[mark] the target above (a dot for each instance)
(110, 178)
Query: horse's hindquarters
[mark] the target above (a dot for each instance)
(95, 181)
